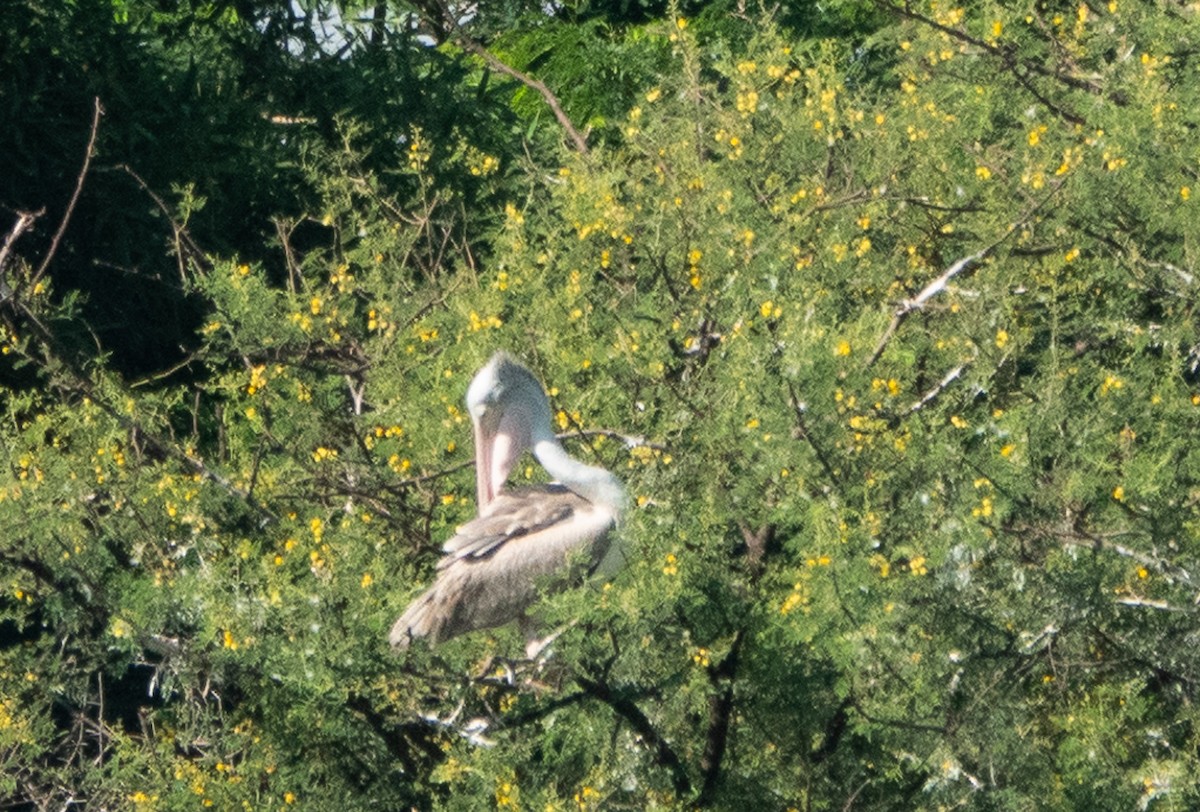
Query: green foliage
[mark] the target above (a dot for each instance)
(894, 344)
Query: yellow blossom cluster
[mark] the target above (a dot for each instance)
(800, 597)
(477, 322)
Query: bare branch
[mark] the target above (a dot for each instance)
(24, 221)
(448, 22)
(932, 289)
(1151, 603)
(946, 380)
(908, 306)
(87, 161)
(182, 238)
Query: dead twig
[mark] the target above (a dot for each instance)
(66, 219)
(935, 287)
(941, 385)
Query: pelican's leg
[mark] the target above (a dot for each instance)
(535, 644)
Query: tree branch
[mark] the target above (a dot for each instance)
(25, 220)
(62, 226)
(935, 287)
(1005, 55)
(631, 713)
(720, 711)
(918, 302)
(447, 22)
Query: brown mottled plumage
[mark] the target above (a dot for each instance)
(523, 541)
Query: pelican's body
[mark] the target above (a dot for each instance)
(525, 540)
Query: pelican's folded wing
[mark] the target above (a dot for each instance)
(510, 516)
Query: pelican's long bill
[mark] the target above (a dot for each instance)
(500, 439)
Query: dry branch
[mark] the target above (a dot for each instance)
(25, 221)
(66, 219)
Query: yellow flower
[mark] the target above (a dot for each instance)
(769, 309)
(843, 348)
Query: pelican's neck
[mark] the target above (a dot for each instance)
(589, 481)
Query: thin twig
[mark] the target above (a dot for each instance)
(183, 239)
(802, 432)
(628, 440)
(1151, 603)
(87, 161)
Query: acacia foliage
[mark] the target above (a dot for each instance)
(895, 347)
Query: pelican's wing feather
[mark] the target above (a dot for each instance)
(509, 517)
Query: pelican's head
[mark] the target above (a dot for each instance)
(509, 409)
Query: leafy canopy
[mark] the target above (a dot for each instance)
(894, 345)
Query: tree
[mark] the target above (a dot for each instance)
(894, 346)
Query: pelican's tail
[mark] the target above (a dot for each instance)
(418, 621)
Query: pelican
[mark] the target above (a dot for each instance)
(523, 540)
